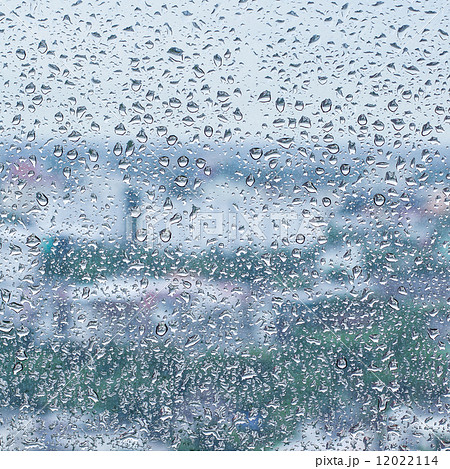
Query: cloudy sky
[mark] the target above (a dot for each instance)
(245, 70)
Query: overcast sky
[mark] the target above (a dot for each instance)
(100, 55)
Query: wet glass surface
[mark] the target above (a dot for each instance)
(224, 225)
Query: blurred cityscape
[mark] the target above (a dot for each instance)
(224, 298)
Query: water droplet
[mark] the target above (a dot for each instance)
(300, 239)
(161, 329)
(141, 234)
(265, 97)
(362, 120)
(199, 72)
(379, 200)
(392, 105)
(378, 140)
(42, 47)
(181, 180)
(280, 104)
(165, 235)
(42, 199)
(176, 54)
(32, 241)
(250, 180)
(299, 105)
(341, 363)
(326, 105)
(172, 139)
(426, 129)
(58, 151)
(93, 155)
(164, 161)
(72, 155)
(21, 54)
(120, 129)
(345, 169)
(183, 161)
(256, 153)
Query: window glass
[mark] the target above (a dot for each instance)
(224, 226)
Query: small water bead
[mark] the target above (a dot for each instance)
(72, 155)
(326, 201)
(148, 119)
(345, 169)
(280, 104)
(161, 329)
(136, 85)
(379, 200)
(21, 54)
(58, 151)
(208, 131)
(42, 47)
(199, 72)
(362, 119)
(30, 88)
(378, 125)
(141, 136)
(200, 163)
(93, 155)
(222, 96)
(378, 140)
(341, 363)
(300, 239)
(426, 129)
(18, 367)
(32, 241)
(183, 161)
(174, 103)
(176, 54)
(250, 180)
(165, 235)
(392, 105)
(265, 97)
(41, 199)
(120, 129)
(238, 114)
(398, 124)
(333, 148)
(304, 122)
(164, 161)
(256, 153)
(37, 100)
(172, 139)
(129, 150)
(117, 150)
(74, 136)
(181, 181)
(141, 234)
(326, 105)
